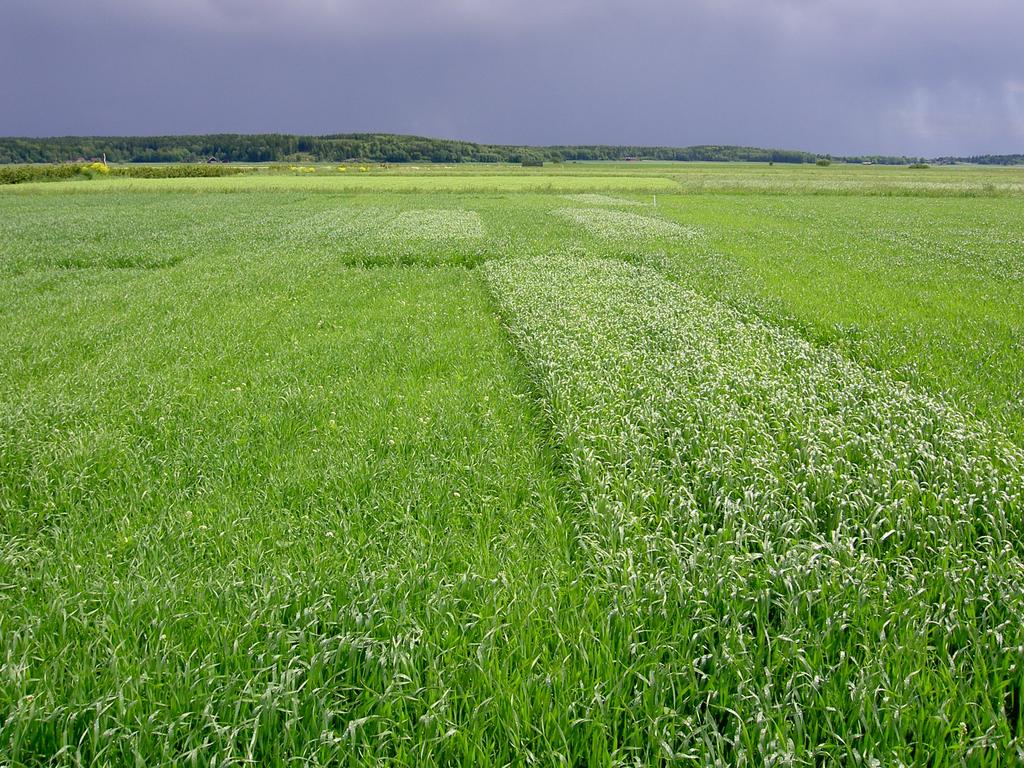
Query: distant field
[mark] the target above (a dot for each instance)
(589, 464)
(329, 180)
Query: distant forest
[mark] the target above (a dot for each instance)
(390, 148)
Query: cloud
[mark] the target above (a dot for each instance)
(916, 77)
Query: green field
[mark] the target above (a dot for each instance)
(583, 465)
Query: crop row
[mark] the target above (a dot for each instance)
(803, 559)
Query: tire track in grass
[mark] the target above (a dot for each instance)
(798, 559)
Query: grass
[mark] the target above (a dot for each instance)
(611, 224)
(927, 289)
(229, 521)
(851, 180)
(370, 183)
(491, 466)
(800, 549)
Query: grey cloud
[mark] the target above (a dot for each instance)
(916, 77)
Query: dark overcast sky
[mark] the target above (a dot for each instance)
(920, 77)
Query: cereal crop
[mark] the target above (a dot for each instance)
(482, 465)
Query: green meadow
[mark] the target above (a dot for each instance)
(594, 464)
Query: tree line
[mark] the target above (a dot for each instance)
(373, 147)
(387, 148)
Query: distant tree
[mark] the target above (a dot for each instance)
(392, 148)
